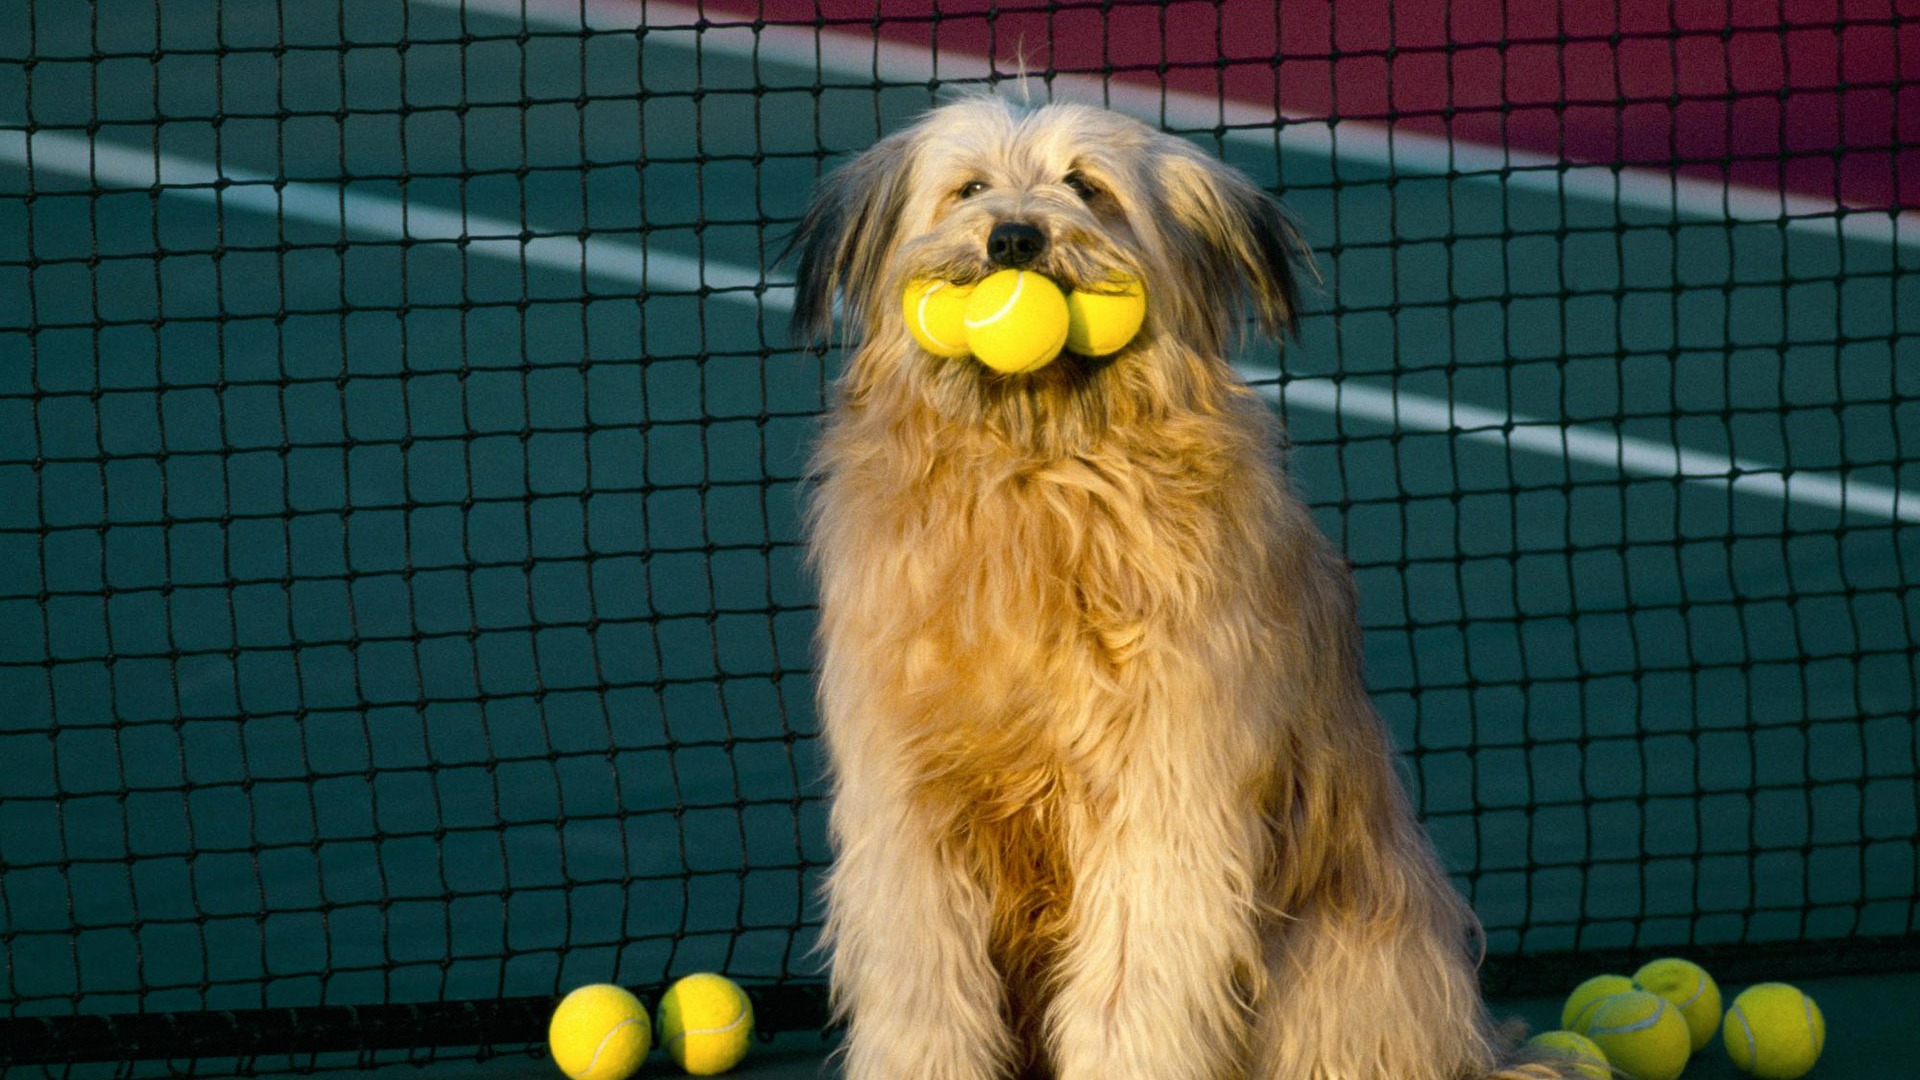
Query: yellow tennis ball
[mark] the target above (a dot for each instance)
(1588, 1060)
(1588, 994)
(1101, 322)
(599, 1032)
(1774, 1032)
(936, 314)
(706, 1023)
(1016, 321)
(1642, 1034)
(1691, 990)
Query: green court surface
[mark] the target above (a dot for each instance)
(400, 596)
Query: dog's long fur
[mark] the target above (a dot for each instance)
(1109, 798)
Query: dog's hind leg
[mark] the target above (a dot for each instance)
(1364, 997)
(1353, 999)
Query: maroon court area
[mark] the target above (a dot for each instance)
(1817, 97)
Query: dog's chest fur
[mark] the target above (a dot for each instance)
(996, 581)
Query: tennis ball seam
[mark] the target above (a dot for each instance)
(1641, 1024)
(1573, 1019)
(1699, 988)
(1753, 1048)
(921, 311)
(722, 1030)
(602, 1045)
(1019, 286)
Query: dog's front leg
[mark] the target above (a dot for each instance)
(1163, 954)
(911, 971)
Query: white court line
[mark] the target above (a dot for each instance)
(333, 206)
(1660, 195)
(1587, 444)
(360, 213)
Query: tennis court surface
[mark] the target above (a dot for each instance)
(401, 613)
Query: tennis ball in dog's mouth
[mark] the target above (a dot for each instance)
(936, 314)
(1016, 321)
(1100, 322)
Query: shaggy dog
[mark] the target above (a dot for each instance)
(1109, 798)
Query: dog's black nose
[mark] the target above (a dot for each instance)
(1015, 243)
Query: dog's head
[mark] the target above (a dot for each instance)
(1074, 192)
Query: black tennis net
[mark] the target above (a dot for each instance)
(401, 615)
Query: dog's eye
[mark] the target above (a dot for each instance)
(1079, 185)
(972, 188)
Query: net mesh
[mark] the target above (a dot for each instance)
(401, 614)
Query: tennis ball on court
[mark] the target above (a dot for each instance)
(1588, 994)
(1102, 321)
(1642, 1034)
(1690, 989)
(936, 313)
(706, 1023)
(599, 1032)
(1016, 321)
(1587, 1059)
(1774, 1032)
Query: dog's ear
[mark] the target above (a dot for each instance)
(847, 236)
(1245, 246)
